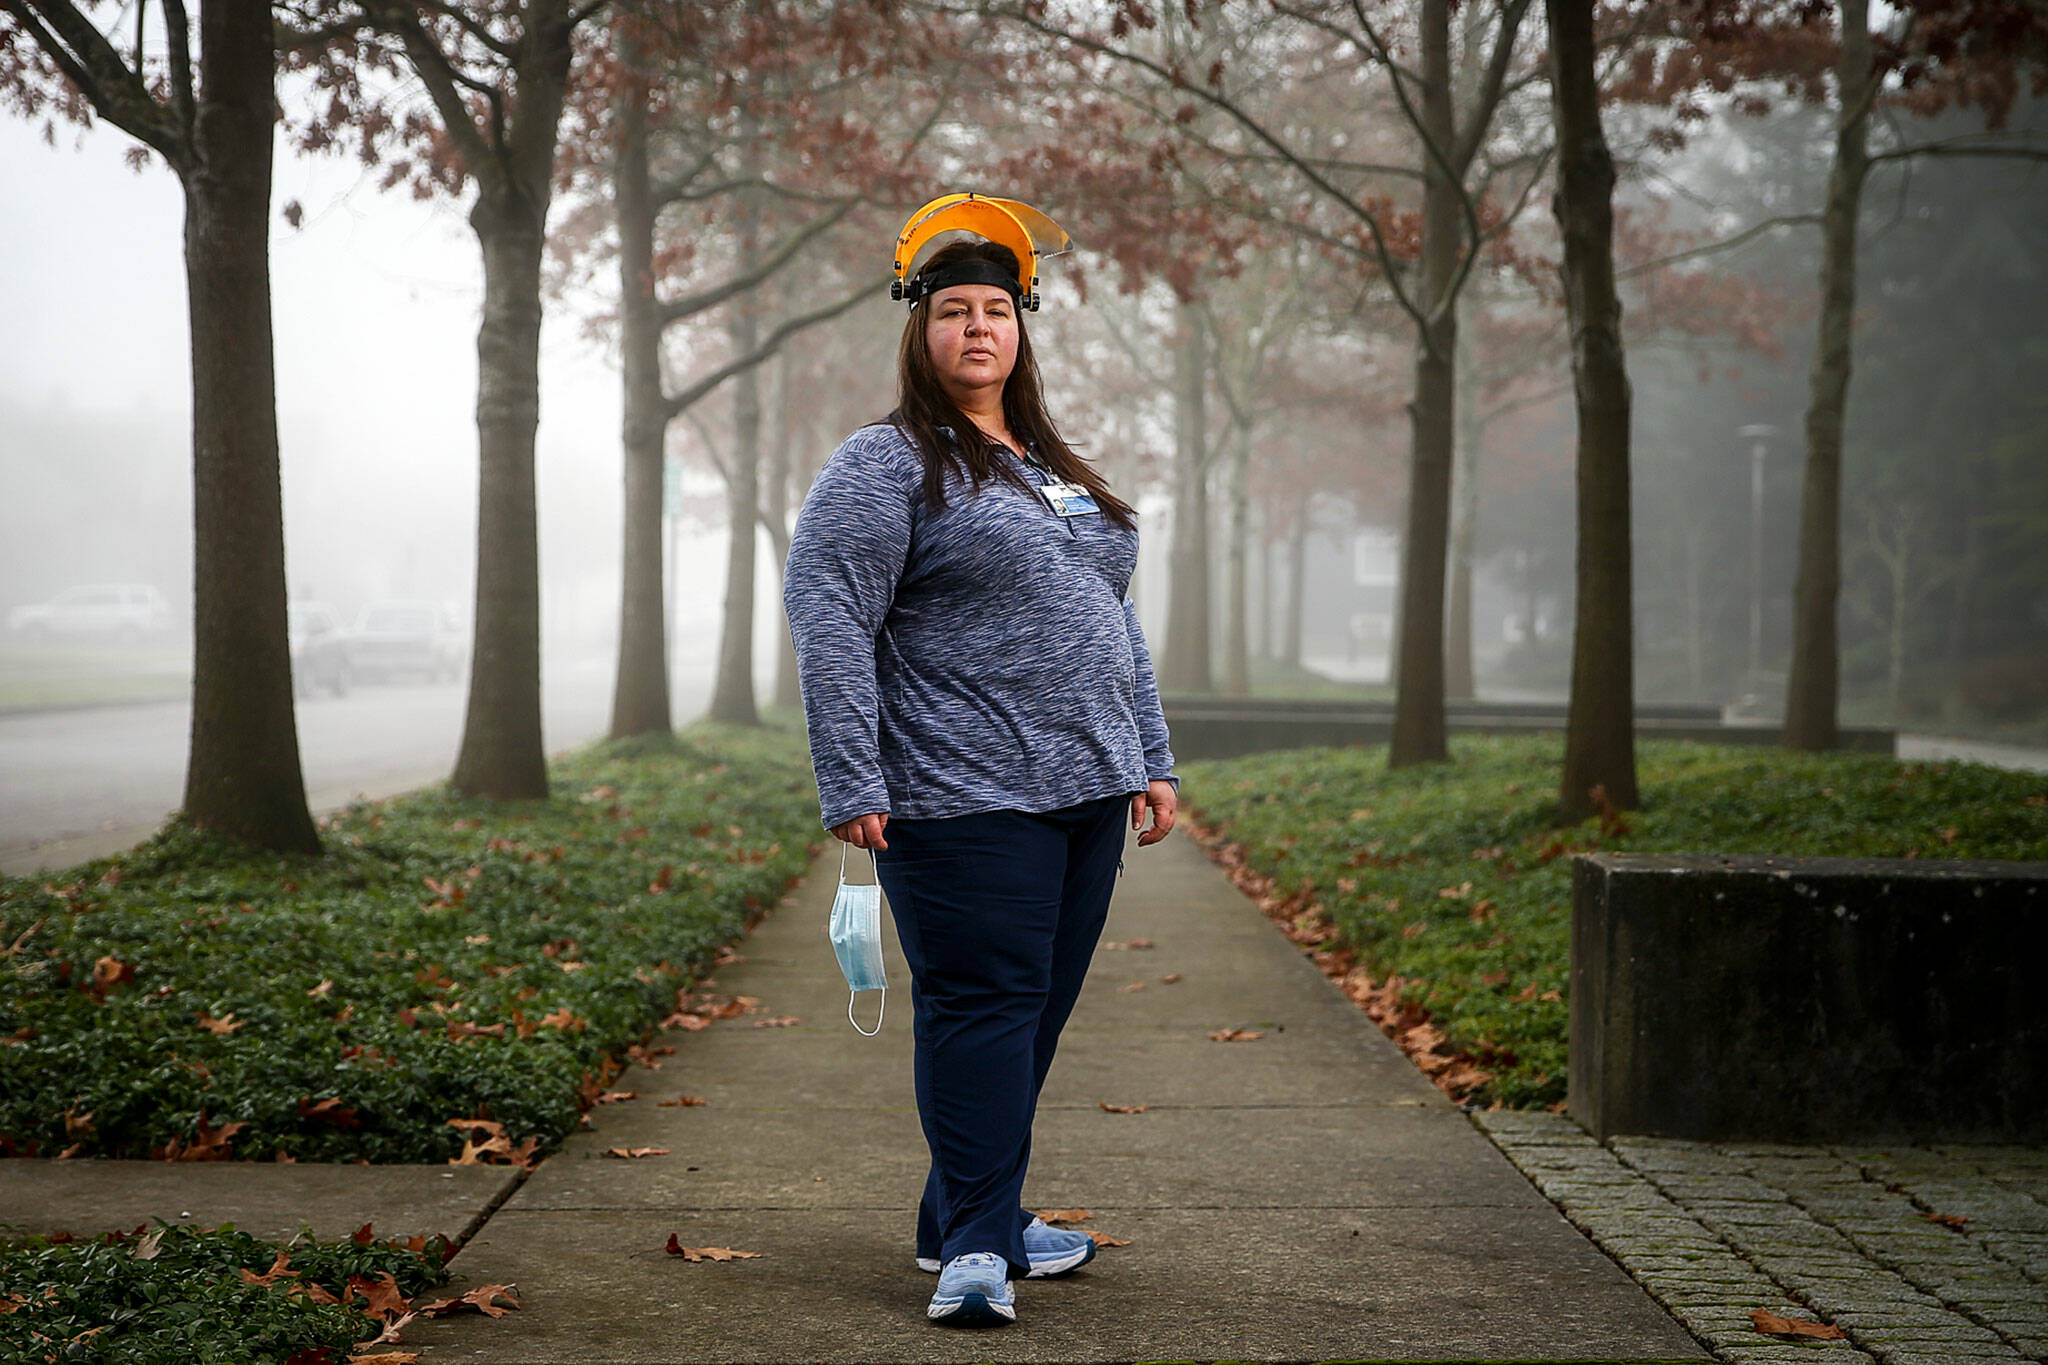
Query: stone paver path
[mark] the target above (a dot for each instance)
(1844, 1234)
(1305, 1195)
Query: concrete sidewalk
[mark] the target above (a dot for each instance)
(1303, 1196)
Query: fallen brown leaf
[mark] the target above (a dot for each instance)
(1948, 1220)
(684, 1102)
(616, 1096)
(1770, 1324)
(109, 972)
(483, 1299)
(1235, 1035)
(778, 1021)
(222, 1026)
(1109, 1108)
(211, 1144)
(278, 1270)
(635, 1151)
(386, 1358)
(1170, 979)
(381, 1297)
(1134, 986)
(1103, 1239)
(1137, 945)
(1058, 1216)
(676, 1248)
(330, 1111)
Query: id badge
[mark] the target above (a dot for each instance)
(1069, 499)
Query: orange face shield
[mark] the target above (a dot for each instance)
(1006, 222)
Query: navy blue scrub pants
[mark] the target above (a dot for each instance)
(998, 914)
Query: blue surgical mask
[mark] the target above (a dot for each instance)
(857, 941)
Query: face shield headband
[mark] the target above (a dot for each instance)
(962, 272)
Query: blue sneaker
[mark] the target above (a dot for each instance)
(974, 1290)
(1053, 1251)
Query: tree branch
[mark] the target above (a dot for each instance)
(1480, 116)
(682, 402)
(689, 305)
(178, 33)
(718, 460)
(1958, 147)
(1748, 234)
(1442, 156)
(470, 25)
(1388, 264)
(442, 80)
(86, 59)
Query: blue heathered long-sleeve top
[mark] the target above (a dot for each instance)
(983, 657)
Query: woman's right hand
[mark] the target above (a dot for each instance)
(864, 831)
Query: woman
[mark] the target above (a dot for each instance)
(982, 712)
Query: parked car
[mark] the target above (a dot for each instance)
(406, 639)
(119, 611)
(319, 650)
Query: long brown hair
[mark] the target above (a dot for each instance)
(922, 407)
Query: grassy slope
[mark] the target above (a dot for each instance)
(566, 926)
(1453, 877)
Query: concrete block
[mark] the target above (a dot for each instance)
(1809, 999)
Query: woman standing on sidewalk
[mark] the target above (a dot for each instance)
(982, 715)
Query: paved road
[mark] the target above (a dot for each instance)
(84, 783)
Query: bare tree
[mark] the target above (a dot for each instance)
(1599, 755)
(211, 120)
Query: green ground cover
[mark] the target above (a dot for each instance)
(1457, 878)
(444, 960)
(175, 1295)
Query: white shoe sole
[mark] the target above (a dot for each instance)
(1079, 1256)
(971, 1308)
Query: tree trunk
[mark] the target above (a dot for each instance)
(1419, 671)
(1599, 745)
(242, 777)
(1459, 681)
(1901, 618)
(1297, 582)
(1694, 536)
(1811, 690)
(501, 755)
(732, 695)
(775, 512)
(640, 697)
(1269, 609)
(1185, 666)
(1237, 681)
(1961, 626)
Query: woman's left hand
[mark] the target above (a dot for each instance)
(1161, 798)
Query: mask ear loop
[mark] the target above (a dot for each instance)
(884, 1012)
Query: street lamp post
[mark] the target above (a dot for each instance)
(1759, 435)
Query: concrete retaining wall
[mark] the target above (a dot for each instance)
(1809, 999)
(1211, 727)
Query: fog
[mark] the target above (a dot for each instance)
(376, 296)
(376, 303)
